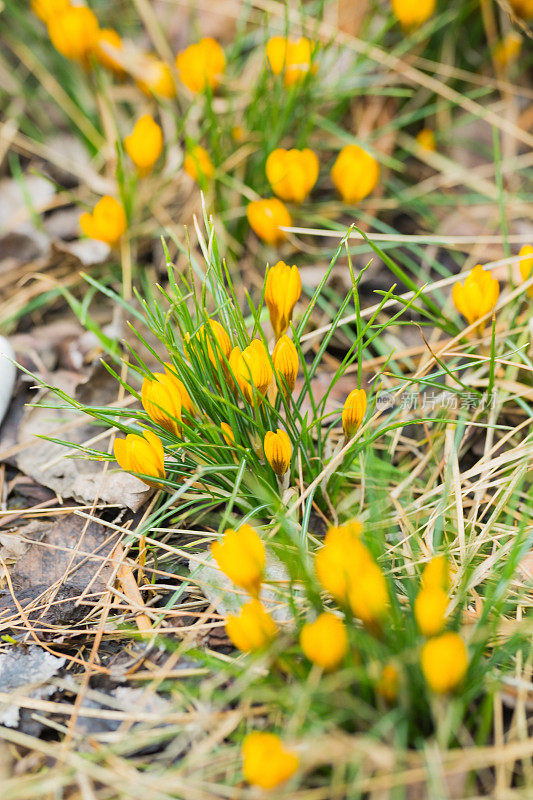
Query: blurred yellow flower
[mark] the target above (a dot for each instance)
(436, 573)
(508, 49)
(524, 8)
(252, 629)
(252, 368)
(426, 139)
(292, 57)
(241, 556)
(74, 32)
(265, 218)
(526, 265)
(198, 164)
(444, 662)
(325, 641)
(278, 450)
(141, 454)
(46, 9)
(355, 173)
(266, 762)
(387, 686)
(145, 143)
(201, 65)
(202, 341)
(412, 13)
(153, 76)
(477, 296)
(353, 411)
(107, 223)
(161, 399)
(285, 361)
(283, 288)
(368, 595)
(292, 173)
(338, 563)
(108, 51)
(430, 610)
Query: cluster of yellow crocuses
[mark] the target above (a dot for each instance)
(348, 573)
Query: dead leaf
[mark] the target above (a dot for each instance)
(27, 669)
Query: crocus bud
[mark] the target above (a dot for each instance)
(523, 8)
(201, 65)
(283, 288)
(338, 563)
(353, 411)
(266, 762)
(154, 77)
(202, 342)
(325, 641)
(227, 433)
(266, 217)
(141, 454)
(74, 32)
(285, 361)
(412, 13)
(444, 662)
(355, 173)
(186, 400)
(278, 450)
(241, 556)
(430, 610)
(476, 297)
(292, 57)
(145, 144)
(436, 574)
(426, 140)
(198, 164)
(526, 266)
(107, 223)
(252, 629)
(292, 173)
(161, 400)
(387, 686)
(108, 51)
(46, 9)
(368, 596)
(252, 369)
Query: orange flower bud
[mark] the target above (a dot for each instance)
(526, 266)
(252, 629)
(426, 139)
(292, 57)
(252, 368)
(430, 610)
(202, 342)
(266, 763)
(154, 77)
(353, 411)
(266, 217)
(186, 400)
(292, 173)
(201, 65)
(283, 288)
(141, 454)
(161, 399)
(241, 556)
(145, 144)
(444, 661)
(368, 595)
(355, 173)
(74, 32)
(227, 433)
(107, 223)
(285, 361)
(278, 450)
(340, 561)
(46, 9)
(477, 296)
(436, 574)
(198, 164)
(325, 641)
(109, 50)
(412, 13)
